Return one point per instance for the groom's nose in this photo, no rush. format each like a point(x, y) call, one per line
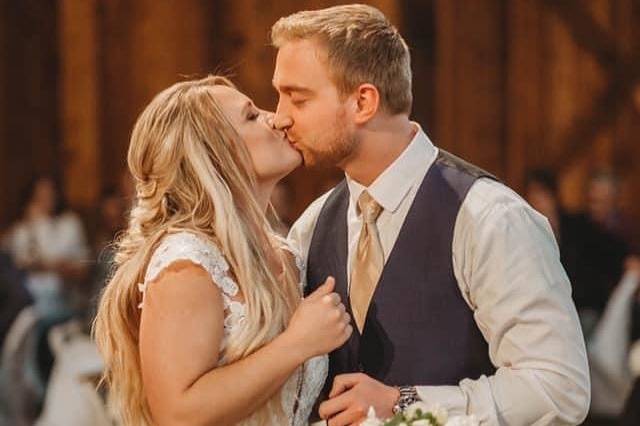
point(281, 120)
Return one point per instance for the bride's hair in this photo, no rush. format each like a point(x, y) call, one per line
point(192, 173)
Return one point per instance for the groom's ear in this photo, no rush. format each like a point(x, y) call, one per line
point(367, 103)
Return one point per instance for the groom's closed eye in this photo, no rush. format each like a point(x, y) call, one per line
point(298, 101)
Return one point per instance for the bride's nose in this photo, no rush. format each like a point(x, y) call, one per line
point(269, 118)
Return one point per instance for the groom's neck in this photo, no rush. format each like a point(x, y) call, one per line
point(380, 143)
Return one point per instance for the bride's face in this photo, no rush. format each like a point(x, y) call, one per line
point(272, 155)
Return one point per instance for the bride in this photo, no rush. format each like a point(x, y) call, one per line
point(203, 322)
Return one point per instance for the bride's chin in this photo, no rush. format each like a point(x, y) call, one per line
point(287, 168)
point(296, 158)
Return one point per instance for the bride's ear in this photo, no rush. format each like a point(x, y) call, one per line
point(367, 103)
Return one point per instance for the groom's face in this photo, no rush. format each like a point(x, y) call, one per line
point(317, 120)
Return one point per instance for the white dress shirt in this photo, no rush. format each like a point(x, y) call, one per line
point(507, 266)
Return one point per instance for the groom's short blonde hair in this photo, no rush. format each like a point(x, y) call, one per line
point(362, 46)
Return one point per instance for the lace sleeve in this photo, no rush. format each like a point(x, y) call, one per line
point(188, 246)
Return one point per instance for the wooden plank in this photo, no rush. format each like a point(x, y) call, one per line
point(525, 99)
point(627, 128)
point(585, 30)
point(145, 47)
point(31, 139)
point(5, 177)
point(418, 28)
point(114, 53)
point(446, 89)
point(79, 101)
point(470, 80)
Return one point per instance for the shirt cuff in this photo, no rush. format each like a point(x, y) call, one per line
point(451, 398)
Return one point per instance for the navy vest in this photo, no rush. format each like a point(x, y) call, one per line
point(418, 330)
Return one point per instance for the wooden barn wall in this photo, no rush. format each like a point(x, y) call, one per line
point(507, 84)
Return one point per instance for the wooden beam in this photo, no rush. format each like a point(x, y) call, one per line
point(586, 32)
point(622, 71)
point(605, 109)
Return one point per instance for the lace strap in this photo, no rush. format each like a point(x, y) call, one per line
point(287, 245)
point(190, 247)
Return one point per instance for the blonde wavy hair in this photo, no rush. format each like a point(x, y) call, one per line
point(193, 173)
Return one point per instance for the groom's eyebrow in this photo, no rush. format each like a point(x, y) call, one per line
point(288, 88)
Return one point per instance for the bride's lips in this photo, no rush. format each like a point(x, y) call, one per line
point(291, 142)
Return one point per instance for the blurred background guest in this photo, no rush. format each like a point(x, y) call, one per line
point(49, 243)
point(13, 294)
point(603, 207)
point(610, 345)
point(591, 254)
point(631, 413)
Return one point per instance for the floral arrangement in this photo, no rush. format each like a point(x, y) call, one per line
point(420, 414)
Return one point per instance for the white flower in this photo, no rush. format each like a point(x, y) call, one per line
point(371, 419)
point(436, 411)
point(422, 423)
point(440, 414)
point(411, 411)
point(463, 421)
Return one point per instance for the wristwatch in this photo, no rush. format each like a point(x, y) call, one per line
point(408, 396)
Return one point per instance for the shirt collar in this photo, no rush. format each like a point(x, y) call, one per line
point(394, 183)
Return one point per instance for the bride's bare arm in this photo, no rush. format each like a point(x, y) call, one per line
point(180, 336)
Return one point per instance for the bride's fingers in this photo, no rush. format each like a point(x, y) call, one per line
point(326, 288)
point(348, 331)
point(331, 299)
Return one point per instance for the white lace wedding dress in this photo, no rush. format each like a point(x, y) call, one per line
point(303, 387)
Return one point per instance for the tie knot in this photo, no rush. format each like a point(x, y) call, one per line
point(369, 207)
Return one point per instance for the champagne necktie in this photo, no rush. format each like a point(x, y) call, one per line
point(368, 262)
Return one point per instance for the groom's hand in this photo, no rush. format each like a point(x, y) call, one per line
point(352, 395)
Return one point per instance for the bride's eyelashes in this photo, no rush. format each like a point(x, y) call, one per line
point(253, 115)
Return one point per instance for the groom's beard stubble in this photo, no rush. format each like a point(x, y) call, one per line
point(340, 145)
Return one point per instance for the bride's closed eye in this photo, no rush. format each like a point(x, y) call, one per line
point(253, 115)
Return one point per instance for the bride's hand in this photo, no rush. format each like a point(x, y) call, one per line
point(320, 324)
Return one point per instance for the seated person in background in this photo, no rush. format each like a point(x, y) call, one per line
point(48, 241)
point(608, 348)
point(631, 415)
point(13, 294)
point(603, 207)
point(592, 255)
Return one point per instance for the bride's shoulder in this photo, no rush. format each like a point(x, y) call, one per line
point(187, 246)
point(202, 252)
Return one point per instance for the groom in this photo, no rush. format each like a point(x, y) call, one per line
point(453, 282)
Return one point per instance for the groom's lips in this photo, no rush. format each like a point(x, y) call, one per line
point(292, 143)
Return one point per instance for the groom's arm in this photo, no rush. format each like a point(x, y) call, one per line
point(507, 264)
